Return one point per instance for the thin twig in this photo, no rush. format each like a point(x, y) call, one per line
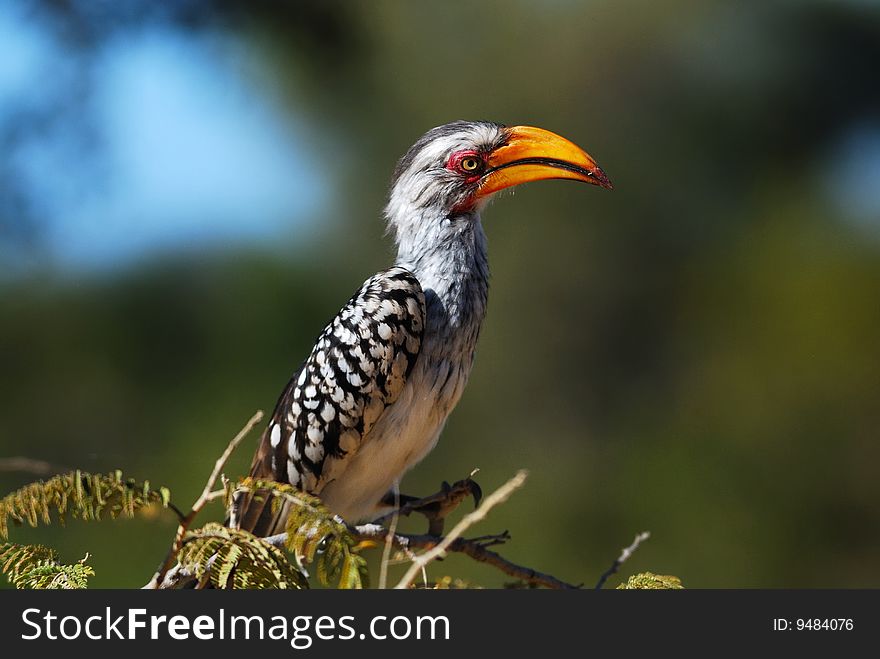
point(389, 539)
point(207, 495)
point(624, 556)
point(221, 461)
point(216, 494)
point(498, 496)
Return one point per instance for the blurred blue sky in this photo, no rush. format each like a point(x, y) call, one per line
point(162, 140)
point(174, 145)
point(855, 173)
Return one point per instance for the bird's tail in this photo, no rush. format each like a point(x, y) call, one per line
point(253, 511)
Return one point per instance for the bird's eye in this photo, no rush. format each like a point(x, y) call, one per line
point(467, 162)
point(470, 164)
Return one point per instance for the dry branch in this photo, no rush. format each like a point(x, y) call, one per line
point(624, 556)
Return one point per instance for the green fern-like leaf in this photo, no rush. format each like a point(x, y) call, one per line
point(79, 495)
point(315, 535)
point(651, 581)
point(37, 567)
point(231, 558)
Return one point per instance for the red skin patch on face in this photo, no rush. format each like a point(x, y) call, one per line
point(454, 164)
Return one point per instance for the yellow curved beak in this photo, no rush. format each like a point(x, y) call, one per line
point(534, 154)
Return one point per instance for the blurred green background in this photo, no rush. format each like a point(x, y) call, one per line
point(189, 192)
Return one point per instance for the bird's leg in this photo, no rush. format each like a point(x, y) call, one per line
point(436, 507)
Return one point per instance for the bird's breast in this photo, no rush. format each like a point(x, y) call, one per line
point(404, 434)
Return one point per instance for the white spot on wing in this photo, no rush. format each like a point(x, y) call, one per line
point(292, 474)
point(314, 452)
point(315, 436)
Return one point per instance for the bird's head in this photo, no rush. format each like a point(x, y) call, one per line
point(454, 169)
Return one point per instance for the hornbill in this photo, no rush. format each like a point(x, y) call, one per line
point(373, 395)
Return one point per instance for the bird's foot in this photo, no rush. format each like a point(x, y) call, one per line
point(491, 540)
point(436, 507)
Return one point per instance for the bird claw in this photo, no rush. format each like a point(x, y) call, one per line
point(437, 507)
point(491, 540)
point(476, 493)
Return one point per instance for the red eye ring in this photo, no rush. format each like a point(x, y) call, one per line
point(470, 163)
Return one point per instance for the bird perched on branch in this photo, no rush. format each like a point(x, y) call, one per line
point(371, 399)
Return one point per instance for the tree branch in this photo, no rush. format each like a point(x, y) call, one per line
point(624, 556)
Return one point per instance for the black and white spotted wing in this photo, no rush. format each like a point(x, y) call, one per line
point(358, 367)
